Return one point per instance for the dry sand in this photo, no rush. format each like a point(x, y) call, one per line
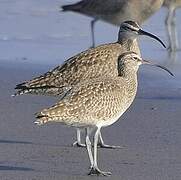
point(149, 131)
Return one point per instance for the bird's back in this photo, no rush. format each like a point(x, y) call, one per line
point(117, 11)
point(172, 3)
point(96, 7)
point(93, 63)
point(100, 101)
point(135, 10)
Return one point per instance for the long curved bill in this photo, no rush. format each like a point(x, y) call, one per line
point(141, 32)
point(157, 65)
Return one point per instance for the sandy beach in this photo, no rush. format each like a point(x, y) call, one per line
point(35, 37)
point(149, 133)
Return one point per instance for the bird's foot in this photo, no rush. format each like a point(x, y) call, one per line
point(102, 145)
point(78, 144)
point(97, 171)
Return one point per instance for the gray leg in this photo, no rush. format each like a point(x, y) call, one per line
point(171, 29)
point(88, 146)
point(101, 143)
point(78, 142)
point(92, 32)
point(172, 56)
point(95, 170)
point(174, 31)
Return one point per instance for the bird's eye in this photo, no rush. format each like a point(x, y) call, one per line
point(129, 29)
point(136, 59)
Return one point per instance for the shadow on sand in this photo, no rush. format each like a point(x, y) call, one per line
point(14, 142)
point(14, 168)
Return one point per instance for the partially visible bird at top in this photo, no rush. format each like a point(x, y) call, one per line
point(170, 22)
point(88, 65)
point(115, 11)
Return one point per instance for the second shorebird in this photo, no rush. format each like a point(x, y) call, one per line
point(115, 11)
point(86, 66)
point(98, 103)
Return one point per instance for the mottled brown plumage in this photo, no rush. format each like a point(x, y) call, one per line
point(93, 63)
point(90, 64)
point(98, 102)
point(92, 101)
point(98, 99)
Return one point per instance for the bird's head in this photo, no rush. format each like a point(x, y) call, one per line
point(131, 30)
point(130, 61)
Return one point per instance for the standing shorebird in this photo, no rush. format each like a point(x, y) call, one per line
point(90, 64)
point(170, 22)
point(115, 11)
point(98, 103)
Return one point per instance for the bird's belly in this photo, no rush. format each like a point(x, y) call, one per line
point(113, 119)
point(110, 121)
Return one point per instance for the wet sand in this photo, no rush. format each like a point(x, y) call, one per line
point(149, 132)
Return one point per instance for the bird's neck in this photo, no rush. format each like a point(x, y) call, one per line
point(127, 43)
point(128, 73)
point(131, 82)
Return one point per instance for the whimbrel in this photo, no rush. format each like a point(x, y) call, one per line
point(92, 63)
point(97, 103)
point(170, 22)
point(115, 11)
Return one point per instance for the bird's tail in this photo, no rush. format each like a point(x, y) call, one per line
point(37, 90)
point(41, 118)
point(47, 115)
point(22, 89)
point(72, 7)
point(20, 92)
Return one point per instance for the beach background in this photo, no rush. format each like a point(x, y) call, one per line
point(35, 37)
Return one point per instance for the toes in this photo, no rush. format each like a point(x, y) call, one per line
point(96, 171)
point(78, 144)
point(110, 146)
point(107, 173)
